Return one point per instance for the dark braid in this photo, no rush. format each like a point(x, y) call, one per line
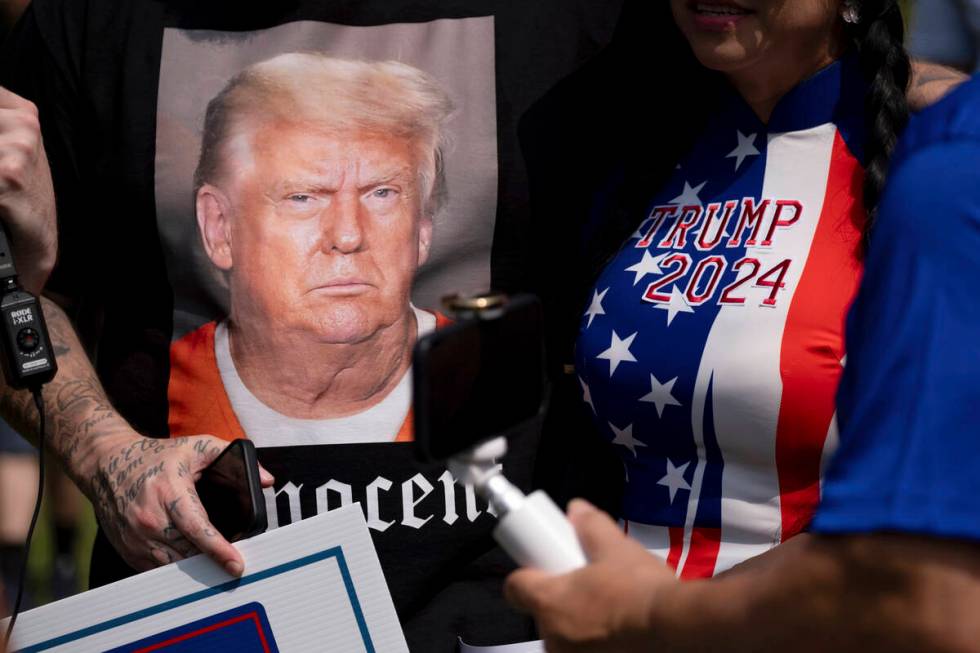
point(879, 37)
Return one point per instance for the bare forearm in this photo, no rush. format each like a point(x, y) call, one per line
point(766, 603)
point(866, 594)
point(79, 414)
point(761, 563)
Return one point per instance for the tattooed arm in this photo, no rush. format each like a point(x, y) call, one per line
point(930, 82)
point(142, 488)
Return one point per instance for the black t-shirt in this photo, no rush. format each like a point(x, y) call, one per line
point(93, 69)
point(104, 77)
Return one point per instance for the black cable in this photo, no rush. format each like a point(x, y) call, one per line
point(39, 403)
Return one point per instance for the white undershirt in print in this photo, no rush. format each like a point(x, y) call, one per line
point(269, 428)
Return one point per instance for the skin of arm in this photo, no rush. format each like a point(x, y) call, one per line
point(877, 592)
point(931, 82)
point(142, 488)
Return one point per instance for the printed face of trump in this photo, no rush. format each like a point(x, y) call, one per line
point(321, 231)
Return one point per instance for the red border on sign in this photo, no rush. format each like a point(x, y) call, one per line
point(254, 616)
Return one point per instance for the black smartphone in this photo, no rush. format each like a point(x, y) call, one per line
point(231, 492)
point(478, 378)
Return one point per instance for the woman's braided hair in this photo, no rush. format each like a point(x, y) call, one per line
point(878, 37)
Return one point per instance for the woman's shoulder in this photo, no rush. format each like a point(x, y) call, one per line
point(955, 117)
point(931, 82)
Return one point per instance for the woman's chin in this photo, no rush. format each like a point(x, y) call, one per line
point(725, 57)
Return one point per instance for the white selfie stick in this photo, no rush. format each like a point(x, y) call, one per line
point(532, 529)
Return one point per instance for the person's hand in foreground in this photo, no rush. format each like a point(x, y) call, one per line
point(142, 488)
point(605, 606)
point(27, 205)
point(144, 496)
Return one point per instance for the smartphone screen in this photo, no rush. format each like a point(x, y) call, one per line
point(477, 379)
point(230, 492)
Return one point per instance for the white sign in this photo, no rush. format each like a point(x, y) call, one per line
point(311, 586)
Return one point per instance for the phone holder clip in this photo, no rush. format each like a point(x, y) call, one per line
point(532, 529)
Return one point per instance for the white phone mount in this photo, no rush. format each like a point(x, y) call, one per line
point(532, 529)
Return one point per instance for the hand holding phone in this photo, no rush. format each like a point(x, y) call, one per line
point(231, 492)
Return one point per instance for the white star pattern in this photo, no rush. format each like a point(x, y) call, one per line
point(625, 438)
point(596, 307)
point(587, 395)
point(660, 394)
point(674, 479)
point(618, 352)
point(689, 197)
point(647, 265)
point(677, 304)
point(746, 148)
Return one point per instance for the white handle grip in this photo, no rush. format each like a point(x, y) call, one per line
point(537, 534)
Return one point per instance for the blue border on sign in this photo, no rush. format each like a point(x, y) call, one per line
point(334, 552)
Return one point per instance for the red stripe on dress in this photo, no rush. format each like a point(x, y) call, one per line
point(703, 553)
point(676, 534)
point(813, 341)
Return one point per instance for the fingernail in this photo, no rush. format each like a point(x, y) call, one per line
point(234, 568)
point(579, 507)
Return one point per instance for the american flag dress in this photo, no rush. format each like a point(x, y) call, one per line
point(713, 344)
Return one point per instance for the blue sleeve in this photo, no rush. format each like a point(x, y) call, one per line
point(909, 401)
point(939, 33)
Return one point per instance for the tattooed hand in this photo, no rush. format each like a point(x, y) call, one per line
point(143, 493)
point(142, 488)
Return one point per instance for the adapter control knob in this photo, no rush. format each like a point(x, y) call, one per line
point(28, 340)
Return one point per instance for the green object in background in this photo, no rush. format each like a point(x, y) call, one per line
point(39, 564)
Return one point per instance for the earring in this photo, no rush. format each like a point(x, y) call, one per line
point(850, 13)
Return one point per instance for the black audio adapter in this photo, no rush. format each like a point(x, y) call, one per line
point(28, 362)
